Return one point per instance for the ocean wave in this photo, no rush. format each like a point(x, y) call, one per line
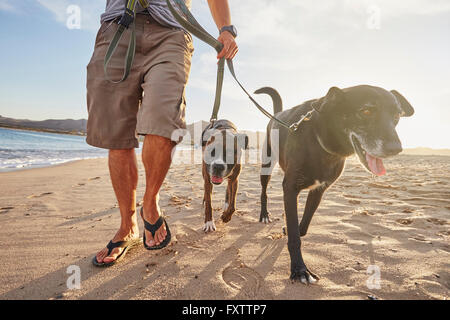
point(21, 149)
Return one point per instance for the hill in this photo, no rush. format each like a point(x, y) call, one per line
point(50, 125)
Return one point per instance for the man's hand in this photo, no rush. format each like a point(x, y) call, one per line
point(230, 48)
point(221, 14)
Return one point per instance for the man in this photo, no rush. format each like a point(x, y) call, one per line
point(149, 102)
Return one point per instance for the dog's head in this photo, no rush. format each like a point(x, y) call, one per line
point(222, 149)
point(362, 120)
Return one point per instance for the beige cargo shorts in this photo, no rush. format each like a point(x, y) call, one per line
point(152, 99)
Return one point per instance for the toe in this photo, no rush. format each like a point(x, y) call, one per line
point(311, 279)
point(149, 238)
point(162, 236)
point(113, 256)
point(101, 255)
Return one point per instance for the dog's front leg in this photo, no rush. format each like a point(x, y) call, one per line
point(312, 203)
point(231, 208)
point(299, 271)
point(209, 223)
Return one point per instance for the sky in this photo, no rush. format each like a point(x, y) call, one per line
point(300, 47)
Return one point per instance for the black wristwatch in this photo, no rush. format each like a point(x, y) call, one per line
point(231, 29)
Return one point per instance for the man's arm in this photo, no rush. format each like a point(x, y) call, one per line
point(220, 12)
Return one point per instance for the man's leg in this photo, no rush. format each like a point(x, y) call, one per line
point(124, 177)
point(157, 157)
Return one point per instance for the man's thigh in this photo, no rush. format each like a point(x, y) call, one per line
point(164, 104)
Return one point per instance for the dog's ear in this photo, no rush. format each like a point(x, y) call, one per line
point(407, 109)
point(206, 135)
point(334, 96)
point(242, 141)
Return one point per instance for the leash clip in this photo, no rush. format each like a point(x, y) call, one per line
point(294, 127)
point(127, 18)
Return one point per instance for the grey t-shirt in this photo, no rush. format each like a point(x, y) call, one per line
point(157, 9)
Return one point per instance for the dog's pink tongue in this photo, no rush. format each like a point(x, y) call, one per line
point(375, 165)
point(215, 179)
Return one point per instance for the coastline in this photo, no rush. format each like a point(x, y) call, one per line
point(42, 130)
point(12, 170)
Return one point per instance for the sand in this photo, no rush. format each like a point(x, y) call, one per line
point(53, 218)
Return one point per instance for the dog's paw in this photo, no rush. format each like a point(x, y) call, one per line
point(226, 216)
point(302, 230)
point(304, 276)
point(209, 226)
point(265, 218)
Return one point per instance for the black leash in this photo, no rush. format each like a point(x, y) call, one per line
point(190, 24)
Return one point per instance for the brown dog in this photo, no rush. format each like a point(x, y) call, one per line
point(222, 148)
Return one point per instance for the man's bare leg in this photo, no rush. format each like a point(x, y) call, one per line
point(124, 177)
point(157, 157)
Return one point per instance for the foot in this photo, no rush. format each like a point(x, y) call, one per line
point(209, 226)
point(124, 234)
point(264, 217)
point(303, 275)
point(151, 216)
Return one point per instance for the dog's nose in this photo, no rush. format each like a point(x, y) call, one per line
point(393, 148)
point(218, 167)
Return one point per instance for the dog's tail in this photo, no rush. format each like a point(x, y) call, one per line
point(276, 98)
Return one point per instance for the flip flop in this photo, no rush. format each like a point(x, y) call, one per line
point(152, 228)
point(126, 245)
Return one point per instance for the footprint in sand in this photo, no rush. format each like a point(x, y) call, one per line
point(276, 235)
point(404, 222)
point(95, 178)
point(444, 233)
point(437, 221)
point(5, 209)
point(41, 195)
point(244, 280)
point(177, 201)
point(420, 238)
point(186, 235)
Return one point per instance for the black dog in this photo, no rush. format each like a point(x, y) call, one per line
point(222, 149)
point(359, 120)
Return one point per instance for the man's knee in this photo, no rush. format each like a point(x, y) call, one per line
point(121, 155)
point(120, 151)
point(159, 139)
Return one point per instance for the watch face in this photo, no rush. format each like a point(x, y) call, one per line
point(234, 30)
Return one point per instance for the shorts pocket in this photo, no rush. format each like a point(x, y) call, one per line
point(106, 32)
point(187, 41)
point(181, 111)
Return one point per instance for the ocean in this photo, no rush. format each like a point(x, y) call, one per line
point(21, 149)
